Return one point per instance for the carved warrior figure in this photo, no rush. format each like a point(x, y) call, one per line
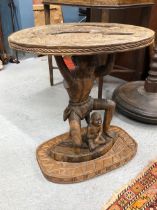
point(78, 84)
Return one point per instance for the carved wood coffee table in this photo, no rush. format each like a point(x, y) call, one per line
point(83, 153)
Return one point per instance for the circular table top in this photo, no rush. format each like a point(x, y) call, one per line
point(81, 38)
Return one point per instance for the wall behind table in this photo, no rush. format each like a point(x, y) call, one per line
point(24, 11)
point(70, 14)
point(25, 17)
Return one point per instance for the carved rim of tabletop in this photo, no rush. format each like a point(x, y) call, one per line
point(81, 39)
point(123, 150)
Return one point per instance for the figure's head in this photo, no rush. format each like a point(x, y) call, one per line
point(96, 119)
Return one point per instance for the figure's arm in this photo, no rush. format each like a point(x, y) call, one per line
point(98, 136)
point(64, 70)
point(90, 134)
point(105, 69)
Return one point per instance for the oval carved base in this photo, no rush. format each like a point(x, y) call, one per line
point(66, 152)
point(123, 150)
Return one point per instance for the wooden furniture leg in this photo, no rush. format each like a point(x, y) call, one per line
point(47, 22)
point(100, 87)
point(151, 82)
point(142, 63)
point(51, 69)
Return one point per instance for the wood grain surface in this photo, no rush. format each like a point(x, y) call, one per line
point(79, 39)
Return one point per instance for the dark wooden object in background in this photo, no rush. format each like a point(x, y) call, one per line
point(1, 37)
point(2, 48)
point(47, 22)
point(151, 81)
point(138, 100)
point(153, 19)
point(130, 65)
point(4, 58)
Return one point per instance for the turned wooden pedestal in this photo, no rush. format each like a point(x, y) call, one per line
point(83, 153)
point(138, 100)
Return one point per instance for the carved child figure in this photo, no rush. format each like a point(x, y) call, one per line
point(94, 131)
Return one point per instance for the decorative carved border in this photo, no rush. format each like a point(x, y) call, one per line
point(123, 150)
point(84, 50)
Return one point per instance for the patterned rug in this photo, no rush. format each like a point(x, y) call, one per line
point(141, 193)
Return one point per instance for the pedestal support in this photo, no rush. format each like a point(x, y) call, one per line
point(138, 100)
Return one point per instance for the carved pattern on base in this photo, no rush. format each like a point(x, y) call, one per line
point(123, 150)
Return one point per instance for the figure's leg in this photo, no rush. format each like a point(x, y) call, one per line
point(109, 107)
point(92, 145)
point(75, 130)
